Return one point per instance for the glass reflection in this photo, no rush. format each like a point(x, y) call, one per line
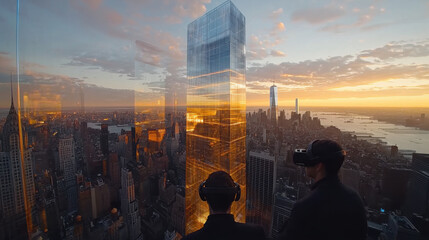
point(216, 105)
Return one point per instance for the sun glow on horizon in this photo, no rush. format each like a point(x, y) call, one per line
point(388, 101)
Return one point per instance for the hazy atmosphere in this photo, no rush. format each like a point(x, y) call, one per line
point(326, 53)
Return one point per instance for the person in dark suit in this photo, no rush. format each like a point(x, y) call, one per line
point(332, 210)
point(220, 190)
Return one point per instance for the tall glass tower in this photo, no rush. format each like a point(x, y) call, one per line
point(273, 104)
point(216, 107)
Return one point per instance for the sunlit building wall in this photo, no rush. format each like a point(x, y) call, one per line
point(216, 105)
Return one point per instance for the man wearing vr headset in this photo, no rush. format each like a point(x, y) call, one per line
point(220, 190)
point(332, 210)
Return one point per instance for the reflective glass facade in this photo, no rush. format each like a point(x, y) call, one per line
point(273, 104)
point(216, 105)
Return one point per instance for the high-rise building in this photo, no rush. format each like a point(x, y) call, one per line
point(82, 100)
point(100, 198)
point(216, 107)
point(68, 168)
point(283, 205)
point(399, 227)
point(104, 139)
point(16, 188)
point(273, 104)
point(129, 204)
point(261, 177)
point(417, 200)
point(296, 106)
point(394, 184)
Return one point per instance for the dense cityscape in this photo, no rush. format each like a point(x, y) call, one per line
point(135, 172)
point(82, 175)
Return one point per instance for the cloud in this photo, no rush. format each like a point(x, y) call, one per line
point(387, 85)
point(162, 49)
point(276, 13)
point(190, 8)
point(394, 50)
point(256, 49)
point(363, 75)
point(94, 4)
point(364, 18)
point(317, 15)
point(359, 23)
point(55, 92)
point(260, 47)
point(327, 17)
point(112, 64)
point(280, 27)
point(375, 26)
point(174, 11)
point(147, 53)
point(6, 63)
point(277, 53)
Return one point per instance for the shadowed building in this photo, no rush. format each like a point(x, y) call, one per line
point(216, 107)
point(417, 200)
point(129, 204)
point(283, 204)
point(16, 189)
point(261, 177)
point(66, 153)
point(104, 139)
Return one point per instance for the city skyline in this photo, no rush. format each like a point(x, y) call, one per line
point(123, 110)
point(326, 53)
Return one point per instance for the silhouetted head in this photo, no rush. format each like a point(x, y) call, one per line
point(321, 158)
point(219, 190)
point(331, 153)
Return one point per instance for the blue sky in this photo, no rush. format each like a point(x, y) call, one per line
point(324, 52)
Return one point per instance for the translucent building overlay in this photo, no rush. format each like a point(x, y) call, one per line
point(216, 105)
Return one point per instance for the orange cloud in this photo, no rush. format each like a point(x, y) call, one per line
point(280, 26)
point(277, 53)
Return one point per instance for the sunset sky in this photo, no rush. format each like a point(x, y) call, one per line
point(326, 53)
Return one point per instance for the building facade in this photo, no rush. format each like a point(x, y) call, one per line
point(17, 192)
point(216, 107)
point(261, 177)
point(283, 205)
point(66, 154)
point(129, 205)
point(104, 139)
point(417, 200)
point(273, 104)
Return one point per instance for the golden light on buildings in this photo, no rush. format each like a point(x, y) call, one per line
point(216, 110)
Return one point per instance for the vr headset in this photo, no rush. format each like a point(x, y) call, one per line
point(203, 190)
point(306, 158)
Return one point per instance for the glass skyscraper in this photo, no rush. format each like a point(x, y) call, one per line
point(273, 104)
point(216, 107)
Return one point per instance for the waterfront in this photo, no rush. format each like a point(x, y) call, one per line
point(365, 127)
point(406, 138)
point(112, 128)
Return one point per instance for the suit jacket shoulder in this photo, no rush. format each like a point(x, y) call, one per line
point(250, 231)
